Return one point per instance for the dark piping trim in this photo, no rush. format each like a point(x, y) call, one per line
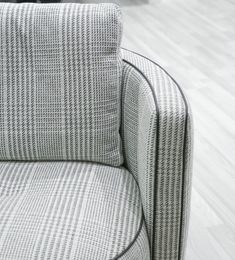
point(132, 242)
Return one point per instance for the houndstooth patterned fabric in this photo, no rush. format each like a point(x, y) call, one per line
point(60, 77)
point(70, 210)
point(157, 139)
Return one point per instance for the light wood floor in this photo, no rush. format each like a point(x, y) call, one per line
point(195, 41)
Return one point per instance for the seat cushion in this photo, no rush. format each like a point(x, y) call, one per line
point(60, 78)
point(70, 210)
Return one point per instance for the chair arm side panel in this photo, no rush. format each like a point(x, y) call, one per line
point(157, 140)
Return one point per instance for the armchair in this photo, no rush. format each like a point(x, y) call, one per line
point(95, 141)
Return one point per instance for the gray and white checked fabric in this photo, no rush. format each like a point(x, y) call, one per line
point(70, 210)
point(60, 78)
point(157, 140)
point(140, 249)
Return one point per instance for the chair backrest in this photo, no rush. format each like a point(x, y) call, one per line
point(60, 77)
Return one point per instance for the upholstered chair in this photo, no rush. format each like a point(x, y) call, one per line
point(95, 140)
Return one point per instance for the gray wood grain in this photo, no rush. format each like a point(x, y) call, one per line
point(195, 41)
point(119, 2)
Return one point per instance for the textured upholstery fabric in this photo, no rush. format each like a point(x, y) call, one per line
point(157, 138)
point(60, 77)
point(139, 250)
point(70, 210)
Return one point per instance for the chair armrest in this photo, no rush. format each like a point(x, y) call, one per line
point(157, 142)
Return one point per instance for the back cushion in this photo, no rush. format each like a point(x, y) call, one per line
point(60, 73)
